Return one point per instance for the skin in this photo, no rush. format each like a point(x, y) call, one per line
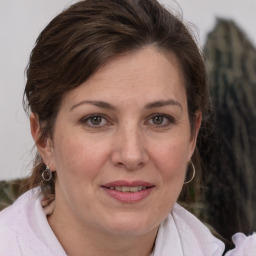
point(138, 138)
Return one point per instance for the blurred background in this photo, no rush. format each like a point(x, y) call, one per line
point(225, 31)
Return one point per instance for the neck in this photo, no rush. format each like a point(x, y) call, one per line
point(76, 239)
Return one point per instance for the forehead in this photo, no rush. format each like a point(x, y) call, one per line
point(143, 75)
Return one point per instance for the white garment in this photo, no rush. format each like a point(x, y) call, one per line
point(24, 231)
point(182, 234)
point(244, 245)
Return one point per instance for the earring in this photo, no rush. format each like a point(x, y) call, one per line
point(194, 173)
point(47, 174)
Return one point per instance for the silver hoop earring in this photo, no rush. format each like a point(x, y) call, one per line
point(47, 174)
point(194, 173)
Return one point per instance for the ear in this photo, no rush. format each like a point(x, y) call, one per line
point(197, 125)
point(44, 144)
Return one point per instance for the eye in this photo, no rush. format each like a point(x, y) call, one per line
point(161, 120)
point(96, 121)
point(158, 120)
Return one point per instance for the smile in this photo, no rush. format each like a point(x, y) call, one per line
point(128, 189)
point(128, 192)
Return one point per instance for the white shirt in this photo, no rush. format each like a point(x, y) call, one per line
point(24, 231)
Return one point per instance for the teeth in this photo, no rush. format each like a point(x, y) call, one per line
point(134, 189)
point(125, 189)
point(128, 189)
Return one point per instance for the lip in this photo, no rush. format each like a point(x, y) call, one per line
point(128, 197)
point(121, 183)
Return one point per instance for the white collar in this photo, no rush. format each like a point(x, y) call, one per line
point(182, 234)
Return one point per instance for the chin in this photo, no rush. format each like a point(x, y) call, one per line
point(130, 224)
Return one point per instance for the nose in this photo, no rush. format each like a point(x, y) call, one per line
point(129, 150)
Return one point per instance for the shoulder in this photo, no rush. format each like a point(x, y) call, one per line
point(9, 244)
point(196, 235)
point(13, 219)
point(24, 229)
point(16, 213)
point(245, 245)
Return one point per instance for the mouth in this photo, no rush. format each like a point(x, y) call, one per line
point(128, 192)
point(128, 189)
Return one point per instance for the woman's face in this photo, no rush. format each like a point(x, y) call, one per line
point(121, 145)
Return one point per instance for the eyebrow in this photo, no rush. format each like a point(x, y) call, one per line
point(100, 104)
point(105, 105)
point(163, 103)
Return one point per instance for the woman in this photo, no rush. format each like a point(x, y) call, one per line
point(116, 94)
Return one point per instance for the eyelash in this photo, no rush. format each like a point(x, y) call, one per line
point(87, 119)
point(167, 118)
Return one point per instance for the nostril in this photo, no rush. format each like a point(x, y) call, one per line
point(131, 166)
point(120, 164)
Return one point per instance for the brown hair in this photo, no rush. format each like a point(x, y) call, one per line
point(85, 37)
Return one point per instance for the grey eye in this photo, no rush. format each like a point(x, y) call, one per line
point(158, 120)
point(95, 120)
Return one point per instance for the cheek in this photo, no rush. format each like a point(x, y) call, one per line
point(171, 158)
point(170, 162)
point(78, 158)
